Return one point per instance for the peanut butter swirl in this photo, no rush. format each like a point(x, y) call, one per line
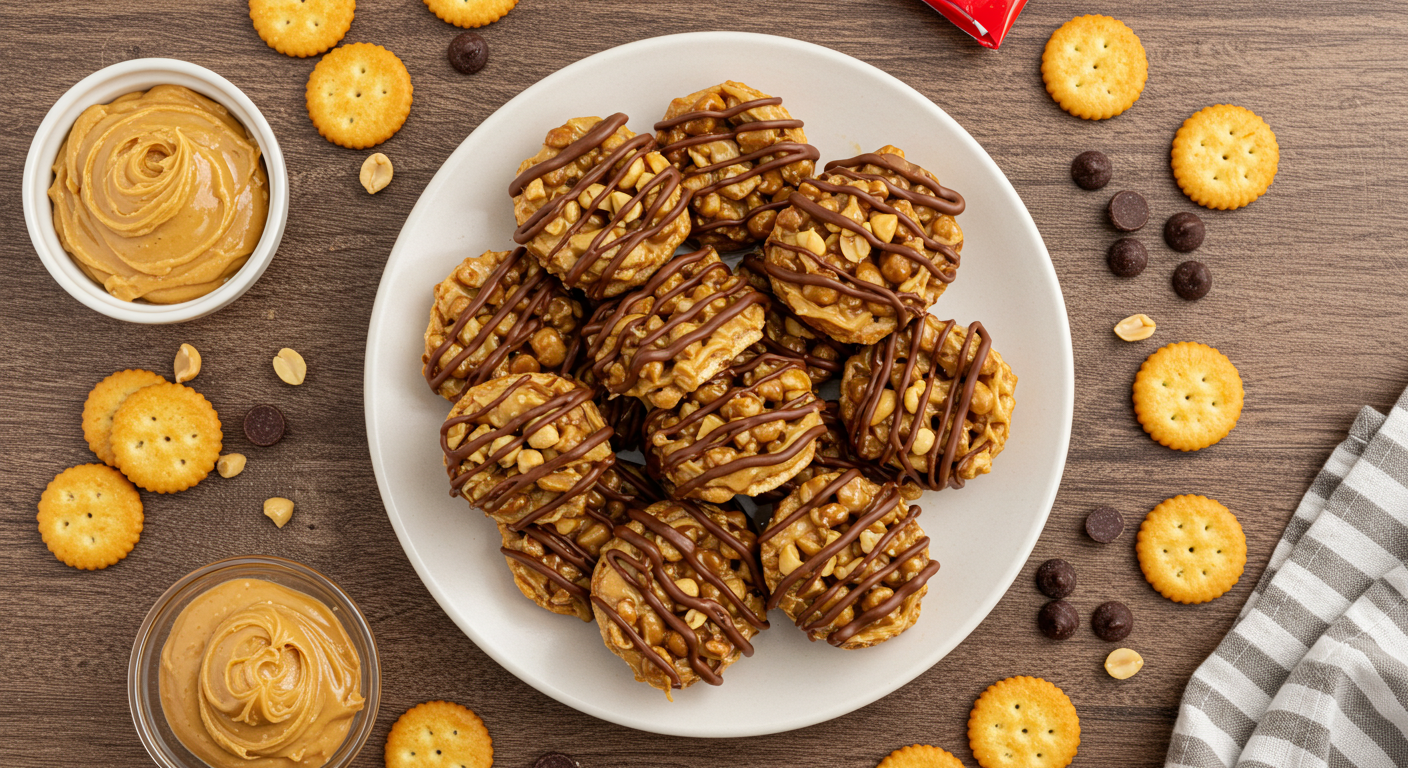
point(647, 573)
point(779, 155)
point(610, 172)
point(845, 592)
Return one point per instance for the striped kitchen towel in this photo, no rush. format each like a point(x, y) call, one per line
point(1315, 671)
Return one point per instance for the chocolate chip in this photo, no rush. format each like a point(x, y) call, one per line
point(1091, 170)
point(264, 425)
point(556, 760)
point(468, 53)
point(1127, 257)
point(1112, 621)
point(1192, 280)
point(1058, 620)
point(1104, 525)
point(1128, 211)
point(1056, 578)
point(1184, 232)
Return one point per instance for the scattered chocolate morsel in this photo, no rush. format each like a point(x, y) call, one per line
point(264, 425)
point(1056, 578)
point(1127, 257)
point(1184, 232)
point(1112, 621)
point(1128, 211)
point(468, 52)
point(1091, 170)
point(556, 760)
point(1104, 525)
point(1192, 280)
point(1058, 620)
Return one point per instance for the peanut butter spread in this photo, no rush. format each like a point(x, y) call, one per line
point(257, 675)
point(160, 195)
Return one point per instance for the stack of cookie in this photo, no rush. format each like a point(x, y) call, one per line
point(600, 333)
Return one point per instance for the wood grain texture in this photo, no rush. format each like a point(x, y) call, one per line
point(1308, 301)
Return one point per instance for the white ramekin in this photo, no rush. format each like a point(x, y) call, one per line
point(102, 87)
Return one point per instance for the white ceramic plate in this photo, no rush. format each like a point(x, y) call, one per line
point(981, 534)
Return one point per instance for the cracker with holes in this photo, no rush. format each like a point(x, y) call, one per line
point(1023, 722)
point(1191, 549)
point(1188, 396)
point(359, 95)
point(103, 402)
point(920, 756)
point(439, 734)
point(1094, 67)
point(90, 516)
point(301, 27)
point(1225, 156)
point(470, 13)
point(166, 437)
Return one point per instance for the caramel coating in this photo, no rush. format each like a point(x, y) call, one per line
point(678, 593)
point(663, 341)
point(745, 431)
point(552, 563)
point(598, 207)
point(742, 155)
point(525, 448)
point(866, 248)
point(934, 402)
point(497, 314)
point(785, 334)
point(846, 560)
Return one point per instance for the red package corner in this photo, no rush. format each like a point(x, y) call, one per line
point(986, 20)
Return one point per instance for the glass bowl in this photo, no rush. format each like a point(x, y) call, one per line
point(144, 669)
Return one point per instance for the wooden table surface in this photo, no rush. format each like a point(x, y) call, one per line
point(1308, 301)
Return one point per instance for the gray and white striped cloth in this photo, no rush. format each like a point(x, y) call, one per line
point(1315, 672)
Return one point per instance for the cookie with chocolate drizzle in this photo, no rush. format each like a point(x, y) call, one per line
point(665, 339)
point(552, 563)
point(933, 401)
point(846, 560)
point(866, 248)
point(678, 593)
point(742, 155)
point(526, 448)
point(785, 334)
point(498, 313)
point(599, 207)
point(745, 431)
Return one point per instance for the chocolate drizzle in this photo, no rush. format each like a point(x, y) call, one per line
point(943, 464)
point(647, 574)
point(791, 411)
point(785, 152)
point(544, 415)
point(906, 305)
point(611, 319)
point(833, 453)
point(817, 615)
point(533, 294)
point(618, 163)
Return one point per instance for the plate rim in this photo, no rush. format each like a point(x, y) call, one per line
point(381, 306)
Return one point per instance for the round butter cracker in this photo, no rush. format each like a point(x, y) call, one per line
point(90, 516)
point(301, 28)
point(359, 95)
point(439, 734)
point(103, 402)
point(470, 13)
point(1191, 549)
point(166, 437)
point(920, 756)
point(1094, 67)
point(1225, 157)
point(1188, 396)
point(1023, 722)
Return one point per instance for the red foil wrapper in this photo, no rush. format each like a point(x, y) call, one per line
point(986, 20)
